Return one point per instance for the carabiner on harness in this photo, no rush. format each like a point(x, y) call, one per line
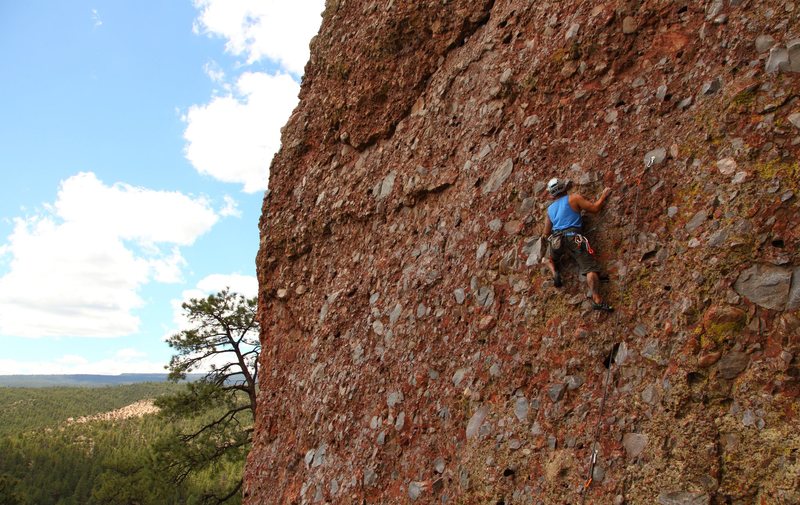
point(581, 240)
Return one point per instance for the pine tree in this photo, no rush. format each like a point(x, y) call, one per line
point(223, 337)
point(10, 493)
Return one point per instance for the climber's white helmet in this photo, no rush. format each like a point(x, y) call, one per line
point(557, 186)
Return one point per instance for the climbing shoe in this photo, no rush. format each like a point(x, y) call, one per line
point(602, 306)
point(557, 280)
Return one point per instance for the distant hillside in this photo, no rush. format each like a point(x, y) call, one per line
point(83, 380)
point(77, 445)
point(23, 409)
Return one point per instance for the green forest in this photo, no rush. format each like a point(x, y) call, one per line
point(46, 459)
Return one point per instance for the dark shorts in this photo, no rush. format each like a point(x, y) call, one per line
point(586, 262)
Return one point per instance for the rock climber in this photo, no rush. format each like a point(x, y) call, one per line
point(563, 230)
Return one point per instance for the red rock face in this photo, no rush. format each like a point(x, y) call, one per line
point(414, 347)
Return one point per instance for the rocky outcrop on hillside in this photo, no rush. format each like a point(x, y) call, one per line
point(415, 349)
point(136, 409)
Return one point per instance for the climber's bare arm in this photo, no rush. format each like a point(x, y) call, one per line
point(578, 202)
point(548, 226)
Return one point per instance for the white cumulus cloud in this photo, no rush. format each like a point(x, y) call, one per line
point(245, 285)
point(134, 213)
point(76, 267)
point(231, 208)
point(279, 30)
point(215, 73)
point(234, 137)
point(96, 18)
point(129, 354)
point(123, 361)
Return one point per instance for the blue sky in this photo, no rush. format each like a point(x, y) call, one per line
point(135, 142)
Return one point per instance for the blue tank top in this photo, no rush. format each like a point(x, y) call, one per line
point(562, 216)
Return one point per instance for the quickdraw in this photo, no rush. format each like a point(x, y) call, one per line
point(581, 240)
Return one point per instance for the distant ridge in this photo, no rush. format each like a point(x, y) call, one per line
point(83, 380)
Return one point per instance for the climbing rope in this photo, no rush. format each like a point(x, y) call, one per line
point(638, 186)
point(593, 461)
point(612, 356)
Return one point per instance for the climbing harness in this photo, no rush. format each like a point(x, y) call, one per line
point(556, 238)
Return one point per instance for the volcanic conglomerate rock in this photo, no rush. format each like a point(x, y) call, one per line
point(414, 347)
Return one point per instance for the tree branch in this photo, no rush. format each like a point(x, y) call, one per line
point(223, 499)
point(230, 414)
